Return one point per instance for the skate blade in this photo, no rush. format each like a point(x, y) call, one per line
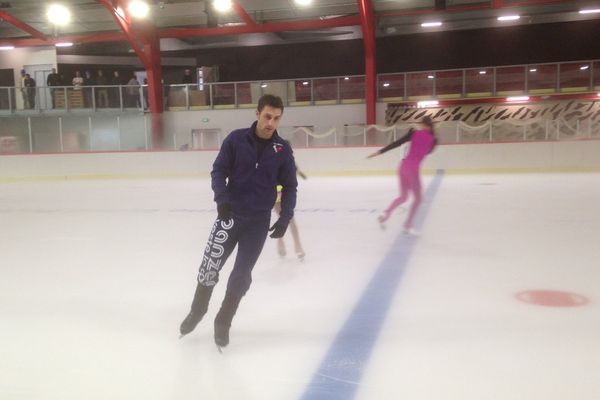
point(300, 256)
point(220, 349)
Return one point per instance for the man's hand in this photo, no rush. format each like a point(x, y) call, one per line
point(278, 229)
point(224, 211)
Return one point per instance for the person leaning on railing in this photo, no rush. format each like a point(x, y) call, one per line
point(77, 81)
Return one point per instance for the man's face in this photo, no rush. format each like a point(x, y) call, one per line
point(268, 121)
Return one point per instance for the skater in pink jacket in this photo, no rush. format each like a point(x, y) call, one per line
point(422, 141)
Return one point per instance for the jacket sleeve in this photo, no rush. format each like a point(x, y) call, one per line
point(287, 178)
point(397, 143)
point(221, 171)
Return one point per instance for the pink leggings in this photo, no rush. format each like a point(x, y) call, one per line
point(410, 181)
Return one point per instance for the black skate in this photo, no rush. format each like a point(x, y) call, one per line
point(189, 323)
point(199, 308)
point(221, 336)
point(224, 318)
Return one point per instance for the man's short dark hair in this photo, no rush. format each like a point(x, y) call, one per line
point(270, 100)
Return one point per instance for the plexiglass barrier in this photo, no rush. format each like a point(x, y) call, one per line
point(131, 132)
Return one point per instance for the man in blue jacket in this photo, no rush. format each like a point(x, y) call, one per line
point(249, 166)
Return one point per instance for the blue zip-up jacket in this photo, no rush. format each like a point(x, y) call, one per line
point(249, 183)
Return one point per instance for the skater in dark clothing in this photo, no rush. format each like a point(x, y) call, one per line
point(250, 164)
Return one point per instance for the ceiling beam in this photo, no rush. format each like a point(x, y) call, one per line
point(495, 4)
point(261, 28)
point(124, 22)
point(99, 37)
point(22, 25)
point(243, 14)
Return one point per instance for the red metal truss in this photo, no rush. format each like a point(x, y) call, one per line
point(124, 23)
point(22, 25)
point(367, 22)
point(243, 14)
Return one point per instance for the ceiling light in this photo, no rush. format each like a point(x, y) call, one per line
point(264, 85)
point(386, 84)
point(533, 70)
point(138, 9)
point(303, 2)
point(584, 67)
point(517, 98)
point(430, 76)
point(222, 5)
point(427, 103)
point(58, 14)
point(7, 47)
point(482, 72)
point(305, 83)
point(509, 18)
point(63, 44)
point(590, 11)
point(431, 24)
point(231, 24)
point(346, 78)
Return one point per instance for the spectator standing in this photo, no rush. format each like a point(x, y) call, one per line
point(116, 91)
point(102, 91)
point(187, 77)
point(30, 91)
point(88, 82)
point(133, 92)
point(145, 90)
point(52, 80)
point(24, 90)
point(77, 81)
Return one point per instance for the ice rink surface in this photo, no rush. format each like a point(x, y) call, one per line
point(96, 277)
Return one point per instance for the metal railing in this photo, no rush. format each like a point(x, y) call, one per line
point(514, 80)
point(72, 98)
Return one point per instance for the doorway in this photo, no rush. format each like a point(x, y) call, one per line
point(40, 73)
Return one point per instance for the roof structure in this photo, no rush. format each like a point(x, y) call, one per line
point(194, 24)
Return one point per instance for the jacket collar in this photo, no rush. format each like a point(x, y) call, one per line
point(251, 133)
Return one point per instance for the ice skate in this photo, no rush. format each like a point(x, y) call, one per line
point(408, 231)
point(221, 336)
point(224, 318)
point(281, 248)
point(197, 311)
point(299, 251)
point(189, 323)
point(382, 219)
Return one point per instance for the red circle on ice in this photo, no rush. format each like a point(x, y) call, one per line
point(552, 298)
